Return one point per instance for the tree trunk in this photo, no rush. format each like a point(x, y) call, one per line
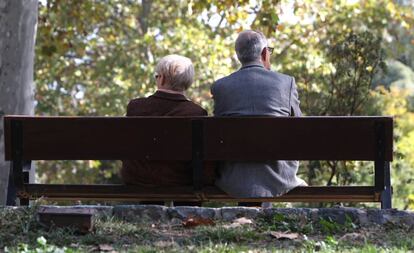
point(18, 20)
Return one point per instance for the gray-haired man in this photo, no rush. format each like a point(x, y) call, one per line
point(255, 90)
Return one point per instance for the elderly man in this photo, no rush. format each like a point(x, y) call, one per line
point(256, 90)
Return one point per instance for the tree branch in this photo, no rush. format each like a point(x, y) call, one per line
point(143, 17)
point(333, 167)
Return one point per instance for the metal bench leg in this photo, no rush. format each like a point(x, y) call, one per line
point(382, 168)
point(386, 195)
point(383, 183)
point(11, 189)
point(18, 164)
point(24, 201)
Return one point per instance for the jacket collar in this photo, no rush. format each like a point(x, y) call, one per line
point(250, 65)
point(170, 96)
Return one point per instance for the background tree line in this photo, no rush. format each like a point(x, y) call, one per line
point(348, 58)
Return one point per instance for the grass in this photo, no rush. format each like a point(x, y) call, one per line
point(20, 232)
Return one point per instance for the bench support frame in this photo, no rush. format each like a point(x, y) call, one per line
point(382, 168)
point(19, 168)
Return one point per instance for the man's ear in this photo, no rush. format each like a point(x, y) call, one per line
point(264, 54)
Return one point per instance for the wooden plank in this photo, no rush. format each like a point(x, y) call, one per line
point(122, 192)
point(78, 219)
point(243, 139)
point(66, 210)
point(287, 138)
point(106, 190)
point(310, 194)
point(109, 138)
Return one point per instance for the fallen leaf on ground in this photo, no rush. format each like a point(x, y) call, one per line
point(283, 235)
point(353, 237)
point(164, 244)
point(243, 221)
point(197, 221)
point(239, 222)
point(105, 247)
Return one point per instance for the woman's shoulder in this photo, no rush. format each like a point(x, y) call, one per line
point(193, 109)
point(137, 101)
point(136, 106)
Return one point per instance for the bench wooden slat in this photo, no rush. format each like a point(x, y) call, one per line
point(306, 138)
point(163, 138)
point(106, 138)
point(122, 192)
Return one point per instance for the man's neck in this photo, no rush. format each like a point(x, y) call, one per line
point(171, 91)
point(260, 63)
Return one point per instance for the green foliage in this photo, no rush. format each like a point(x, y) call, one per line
point(92, 57)
point(328, 226)
point(304, 225)
point(41, 247)
point(111, 234)
point(398, 75)
point(225, 235)
point(280, 222)
point(17, 221)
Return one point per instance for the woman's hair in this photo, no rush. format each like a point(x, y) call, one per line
point(177, 70)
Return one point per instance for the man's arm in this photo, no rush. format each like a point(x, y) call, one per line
point(213, 93)
point(294, 100)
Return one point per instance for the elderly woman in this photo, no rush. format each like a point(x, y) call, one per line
point(174, 74)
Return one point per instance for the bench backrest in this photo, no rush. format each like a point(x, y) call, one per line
point(175, 138)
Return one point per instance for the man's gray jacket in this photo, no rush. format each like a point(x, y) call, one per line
point(254, 90)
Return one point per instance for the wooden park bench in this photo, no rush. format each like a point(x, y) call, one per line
point(199, 139)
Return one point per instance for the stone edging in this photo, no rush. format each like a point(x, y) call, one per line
point(161, 214)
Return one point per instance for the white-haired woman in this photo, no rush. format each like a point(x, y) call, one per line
point(174, 74)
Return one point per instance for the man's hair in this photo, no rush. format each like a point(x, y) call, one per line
point(177, 70)
point(249, 46)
